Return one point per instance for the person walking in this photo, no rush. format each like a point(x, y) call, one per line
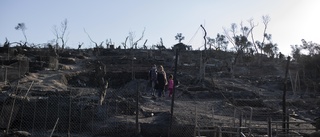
point(170, 85)
point(161, 81)
point(153, 78)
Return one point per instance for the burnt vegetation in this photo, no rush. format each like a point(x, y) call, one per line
point(100, 83)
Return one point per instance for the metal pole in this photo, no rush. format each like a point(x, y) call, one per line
point(284, 97)
point(6, 76)
point(19, 68)
point(287, 118)
point(269, 127)
point(240, 119)
point(137, 110)
point(69, 121)
point(196, 123)
point(251, 111)
point(54, 127)
point(12, 109)
point(213, 122)
point(234, 116)
point(174, 89)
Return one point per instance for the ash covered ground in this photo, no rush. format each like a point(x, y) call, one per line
point(225, 92)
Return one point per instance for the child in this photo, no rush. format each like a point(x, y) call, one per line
point(153, 78)
point(170, 85)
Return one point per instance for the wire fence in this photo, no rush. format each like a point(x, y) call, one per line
point(13, 69)
point(65, 115)
point(69, 114)
point(129, 110)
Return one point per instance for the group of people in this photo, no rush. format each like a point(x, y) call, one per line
point(159, 81)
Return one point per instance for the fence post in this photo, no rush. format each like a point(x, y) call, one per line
point(195, 122)
point(137, 109)
point(269, 127)
point(251, 111)
point(81, 111)
point(54, 127)
point(287, 117)
point(234, 116)
point(69, 120)
point(240, 122)
point(19, 68)
point(284, 108)
point(6, 75)
point(92, 120)
point(22, 111)
point(34, 115)
point(12, 109)
point(174, 90)
point(213, 122)
point(46, 118)
point(240, 119)
point(220, 131)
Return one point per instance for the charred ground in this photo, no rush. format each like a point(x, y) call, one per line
point(76, 78)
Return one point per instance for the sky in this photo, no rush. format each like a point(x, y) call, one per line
point(291, 20)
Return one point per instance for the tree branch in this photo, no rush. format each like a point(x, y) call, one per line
point(136, 43)
point(251, 32)
point(204, 37)
point(96, 44)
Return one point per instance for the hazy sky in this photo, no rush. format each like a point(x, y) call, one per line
point(291, 20)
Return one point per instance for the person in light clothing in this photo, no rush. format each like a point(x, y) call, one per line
point(161, 81)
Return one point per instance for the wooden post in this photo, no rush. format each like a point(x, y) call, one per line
point(240, 122)
point(6, 76)
point(137, 109)
point(195, 122)
point(19, 68)
point(174, 90)
point(213, 122)
point(251, 111)
point(11, 113)
point(234, 116)
point(284, 109)
point(132, 71)
point(92, 120)
point(21, 115)
point(287, 120)
point(69, 120)
point(34, 115)
point(46, 119)
point(81, 108)
point(269, 127)
point(240, 119)
point(54, 127)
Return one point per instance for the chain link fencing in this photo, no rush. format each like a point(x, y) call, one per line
point(197, 111)
point(65, 114)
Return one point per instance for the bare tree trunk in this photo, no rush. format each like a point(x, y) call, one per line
point(136, 42)
point(265, 20)
point(144, 44)
point(125, 43)
point(204, 37)
point(201, 67)
point(103, 93)
point(252, 37)
point(25, 36)
point(203, 59)
point(96, 44)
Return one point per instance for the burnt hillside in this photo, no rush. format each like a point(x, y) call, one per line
point(47, 85)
